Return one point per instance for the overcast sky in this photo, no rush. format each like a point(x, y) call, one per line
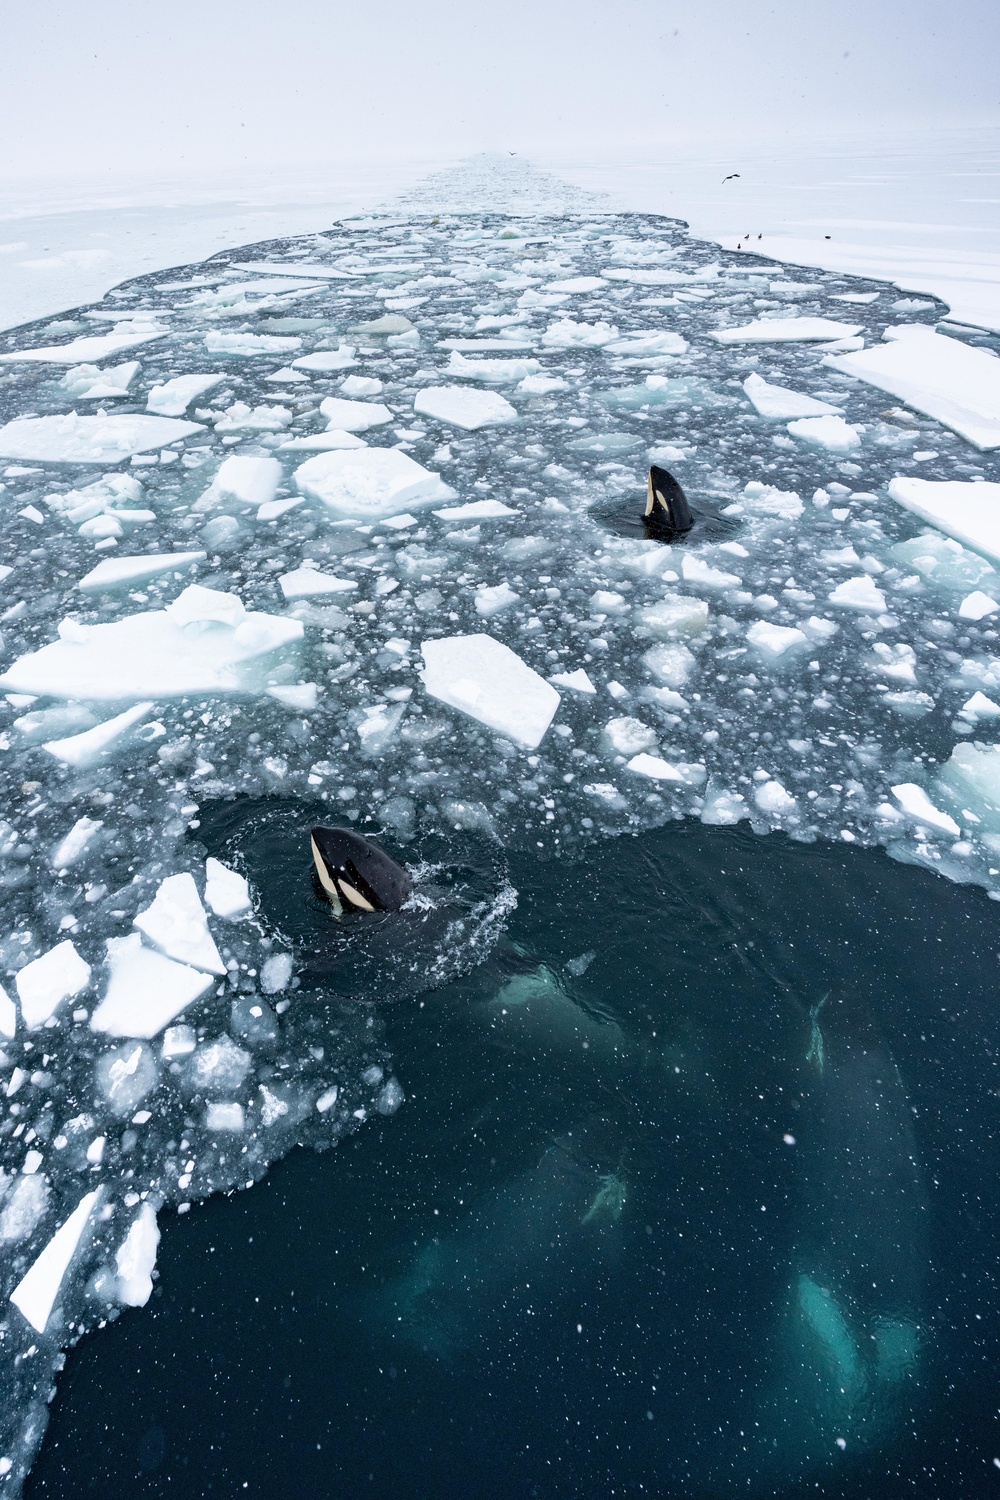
point(182, 84)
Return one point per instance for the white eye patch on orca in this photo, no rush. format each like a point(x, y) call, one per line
point(353, 872)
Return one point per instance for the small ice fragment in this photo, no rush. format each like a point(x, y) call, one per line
point(176, 923)
point(178, 1041)
point(773, 641)
point(275, 973)
point(627, 736)
point(786, 330)
point(226, 1116)
point(136, 1258)
point(980, 707)
point(976, 606)
point(36, 1292)
point(781, 404)
point(355, 386)
point(568, 334)
point(88, 350)
point(173, 397)
point(353, 416)
point(483, 678)
point(309, 583)
point(371, 483)
point(461, 407)
point(145, 990)
point(916, 804)
point(71, 847)
point(250, 344)
point(658, 769)
point(673, 615)
point(244, 479)
point(723, 808)
point(272, 509)
point(831, 433)
point(492, 601)
point(491, 371)
point(671, 662)
point(8, 1015)
point(115, 572)
point(86, 749)
point(696, 570)
point(576, 682)
point(226, 890)
point(771, 797)
point(390, 1097)
point(46, 982)
point(476, 510)
point(301, 696)
point(858, 593)
point(327, 1100)
point(326, 360)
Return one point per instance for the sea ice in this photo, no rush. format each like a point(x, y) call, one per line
point(369, 484)
point(916, 804)
point(858, 593)
point(969, 512)
point(977, 605)
point(461, 407)
point(493, 601)
point(953, 382)
point(45, 983)
point(353, 416)
point(176, 923)
point(173, 397)
point(658, 769)
point(135, 1258)
point(773, 641)
point(326, 360)
point(831, 433)
point(145, 990)
point(73, 439)
point(244, 479)
point(786, 330)
point(490, 371)
point(310, 583)
point(567, 334)
point(476, 510)
point(576, 682)
point(782, 405)
point(485, 679)
point(116, 572)
point(88, 350)
point(36, 1292)
point(250, 343)
point(88, 383)
point(72, 847)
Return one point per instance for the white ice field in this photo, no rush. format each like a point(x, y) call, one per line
point(350, 518)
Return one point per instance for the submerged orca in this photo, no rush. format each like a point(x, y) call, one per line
point(667, 511)
point(355, 873)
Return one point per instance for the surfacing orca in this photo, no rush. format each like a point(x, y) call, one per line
point(355, 874)
point(667, 511)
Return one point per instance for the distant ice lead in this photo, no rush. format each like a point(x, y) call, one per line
point(355, 874)
point(667, 511)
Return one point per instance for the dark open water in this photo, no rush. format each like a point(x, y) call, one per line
point(709, 1212)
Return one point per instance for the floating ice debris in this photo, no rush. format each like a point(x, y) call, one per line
point(575, 284)
point(462, 407)
point(88, 383)
point(353, 416)
point(45, 983)
point(8, 1020)
point(272, 509)
point(297, 268)
point(697, 571)
point(322, 442)
point(657, 769)
point(771, 797)
point(542, 385)
point(90, 746)
point(369, 484)
point(226, 890)
point(360, 387)
point(916, 804)
point(173, 397)
point(494, 600)
point(243, 418)
point(979, 707)
point(35, 1294)
point(773, 641)
point(308, 583)
point(89, 440)
point(159, 652)
point(969, 512)
point(977, 605)
point(786, 330)
point(476, 510)
point(72, 848)
point(723, 808)
point(89, 350)
point(953, 382)
point(576, 682)
point(674, 614)
point(326, 360)
point(491, 371)
point(115, 572)
point(858, 593)
point(176, 923)
point(647, 345)
point(145, 990)
point(250, 343)
point(781, 404)
point(485, 679)
point(302, 696)
point(831, 433)
point(243, 479)
point(135, 1258)
point(567, 334)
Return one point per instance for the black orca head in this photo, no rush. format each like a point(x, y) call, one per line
point(355, 874)
point(667, 511)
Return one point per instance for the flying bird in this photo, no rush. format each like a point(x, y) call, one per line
point(730, 177)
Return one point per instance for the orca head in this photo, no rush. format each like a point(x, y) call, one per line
point(354, 874)
point(667, 511)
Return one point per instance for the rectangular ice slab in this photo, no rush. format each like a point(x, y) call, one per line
point(46, 982)
point(369, 483)
point(88, 350)
point(146, 990)
point(309, 583)
point(961, 509)
point(353, 416)
point(461, 407)
point(483, 678)
point(786, 330)
point(115, 572)
point(72, 439)
point(157, 652)
point(952, 382)
point(36, 1292)
point(782, 405)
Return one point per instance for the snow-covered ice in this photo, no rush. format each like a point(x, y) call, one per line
point(366, 485)
point(458, 406)
point(967, 511)
point(73, 439)
point(481, 677)
point(784, 330)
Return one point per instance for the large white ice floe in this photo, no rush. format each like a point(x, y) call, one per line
point(88, 350)
point(145, 990)
point(966, 511)
point(35, 1294)
point(197, 645)
point(831, 433)
point(485, 679)
point(45, 983)
point(783, 405)
point(955, 383)
point(177, 924)
point(73, 439)
point(786, 330)
point(459, 406)
point(250, 343)
point(371, 483)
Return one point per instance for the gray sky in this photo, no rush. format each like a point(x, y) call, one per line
point(184, 84)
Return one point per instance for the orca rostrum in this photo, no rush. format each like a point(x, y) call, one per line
point(356, 875)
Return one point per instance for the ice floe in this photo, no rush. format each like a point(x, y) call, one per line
point(89, 440)
point(781, 404)
point(460, 407)
point(87, 350)
point(173, 397)
point(481, 677)
point(786, 330)
point(46, 982)
point(964, 510)
point(369, 484)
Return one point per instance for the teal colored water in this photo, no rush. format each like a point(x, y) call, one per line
point(693, 1193)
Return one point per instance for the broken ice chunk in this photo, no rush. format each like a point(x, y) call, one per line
point(276, 973)
point(173, 397)
point(36, 1292)
point(462, 407)
point(627, 736)
point(771, 797)
point(89, 440)
point(976, 606)
point(353, 416)
point(228, 1116)
point(355, 386)
point(250, 343)
point(577, 682)
point(177, 924)
point(568, 334)
point(88, 350)
point(369, 484)
point(476, 510)
point(90, 746)
point(786, 330)
point(697, 570)
point(243, 479)
point(830, 433)
point(71, 848)
point(88, 383)
point(858, 593)
point(967, 511)
point(658, 769)
point(491, 371)
point(46, 982)
point(492, 601)
point(917, 805)
point(979, 707)
point(145, 991)
point(327, 359)
point(723, 808)
point(8, 1014)
point(135, 1258)
point(226, 890)
point(781, 404)
point(483, 678)
point(125, 1075)
point(116, 572)
point(309, 583)
point(674, 614)
point(298, 695)
point(773, 641)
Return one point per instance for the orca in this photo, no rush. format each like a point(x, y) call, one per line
point(667, 511)
point(356, 875)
